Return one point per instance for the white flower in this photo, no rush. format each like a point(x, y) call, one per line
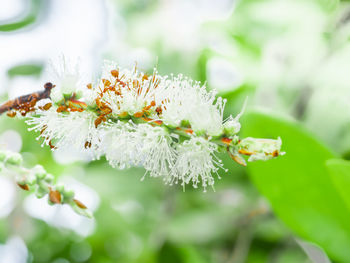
point(178, 98)
point(159, 155)
point(73, 129)
point(121, 145)
point(89, 96)
point(56, 95)
point(127, 90)
point(127, 144)
point(65, 75)
point(184, 99)
point(196, 162)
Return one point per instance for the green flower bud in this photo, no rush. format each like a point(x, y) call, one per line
point(43, 187)
point(39, 172)
point(14, 159)
point(260, 149)
point(231, 126)
point(49, 178)
point(68, 195)
point(31, 179)
point(60, 188)
point(40, 194)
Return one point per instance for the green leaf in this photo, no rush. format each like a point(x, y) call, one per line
point(25, 69)
point(30, 18)
point(298, 185)
point(329, 5)
point(340, 174)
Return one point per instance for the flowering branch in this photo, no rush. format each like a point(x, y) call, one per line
point(38, 181)
point(173, 127)
point(26, 103)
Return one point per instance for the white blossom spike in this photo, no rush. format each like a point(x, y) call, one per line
point(172, 126)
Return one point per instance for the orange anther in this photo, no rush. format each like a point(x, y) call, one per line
point(99, 120)
point(138, 114)
point(47, 106)
point(23, 186)
point(227, 141)
point(115, 73)
point(159, 109)
point(80, 204)
point(275, 153)
point(237, 158)
point(55, 196)
point(11, 114)
point(159, 122)
point(61, 108)
point(87, 145)
point(106, 82)
point(51, 145)
point(190, 131)
point(245, 152)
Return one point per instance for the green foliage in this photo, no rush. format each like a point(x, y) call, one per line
point(298, 185)
point(329, 5)
point(340, 174)
point(307, 188)
point(25, 69)
point(30, 18)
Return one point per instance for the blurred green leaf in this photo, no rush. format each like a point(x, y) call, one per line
point(298, 185)
point(30, 18)
point(340, 174)
point(329, 5)
point(25, 69)
point(185, 254)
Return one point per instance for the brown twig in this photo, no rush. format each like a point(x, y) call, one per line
point(26, 103)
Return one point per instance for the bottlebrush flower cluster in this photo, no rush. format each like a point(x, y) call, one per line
point(170, 125)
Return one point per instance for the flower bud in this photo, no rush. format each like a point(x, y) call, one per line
point(39, 172)
point(60, 188)
point(231, 126)
point(31, 179)
point(67, 195)
point(260, 149)
point(14, 159)
point(49, 178)
point(40, 194)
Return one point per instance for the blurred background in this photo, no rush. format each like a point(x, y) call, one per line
point(291, 58)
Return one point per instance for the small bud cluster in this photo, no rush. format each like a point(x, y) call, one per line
point(172, 126)
point(39, 182)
